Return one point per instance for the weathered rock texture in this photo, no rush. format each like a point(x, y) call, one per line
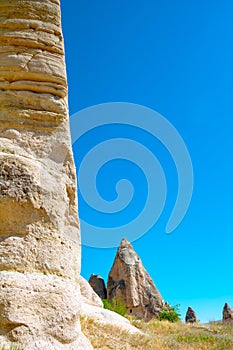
point(98, 285)
point(92, 307)
point(190, 316)
point(227, 314)
point(88, 295)
point(130, 282)
point(104, 316)
point(39, 229)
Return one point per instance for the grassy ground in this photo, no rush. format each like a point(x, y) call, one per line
point(159, 335)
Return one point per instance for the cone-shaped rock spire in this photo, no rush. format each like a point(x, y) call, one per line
point(130, 282)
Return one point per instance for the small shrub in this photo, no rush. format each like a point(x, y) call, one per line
point(117, 306)
point(170, 313)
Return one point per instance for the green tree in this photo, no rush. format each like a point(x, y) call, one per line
point(170, 313)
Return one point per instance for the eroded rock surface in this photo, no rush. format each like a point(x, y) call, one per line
point(88, 295)
point(92, 307)
point(130, 282)
point(104, 316)
point(39, 230)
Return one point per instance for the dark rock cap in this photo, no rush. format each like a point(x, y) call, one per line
point(98, 285)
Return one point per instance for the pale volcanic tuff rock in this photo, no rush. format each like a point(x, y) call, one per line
point(104, 316)
point(39, 229)
point(227, 314)
point(92, 307)
point(130, 282)
point(88, 295)
point(98, 285)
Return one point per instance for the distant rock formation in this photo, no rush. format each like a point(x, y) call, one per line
point(227, 314)
point(190, 316)
point(130, 282)
point(39, 227)
point(98, 285)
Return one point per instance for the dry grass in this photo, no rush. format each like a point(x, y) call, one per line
point(12, 347)
point(159, 335)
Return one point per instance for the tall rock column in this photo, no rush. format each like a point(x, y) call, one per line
point(39, 229)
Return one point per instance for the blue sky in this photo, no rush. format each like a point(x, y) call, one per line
point(174, 57)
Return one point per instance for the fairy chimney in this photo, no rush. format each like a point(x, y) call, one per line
point(130, 282)
point(39, 227)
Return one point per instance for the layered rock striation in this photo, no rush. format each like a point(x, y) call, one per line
point(39, 230)
point(130, 282)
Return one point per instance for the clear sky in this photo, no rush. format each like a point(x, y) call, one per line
point(174, 57)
